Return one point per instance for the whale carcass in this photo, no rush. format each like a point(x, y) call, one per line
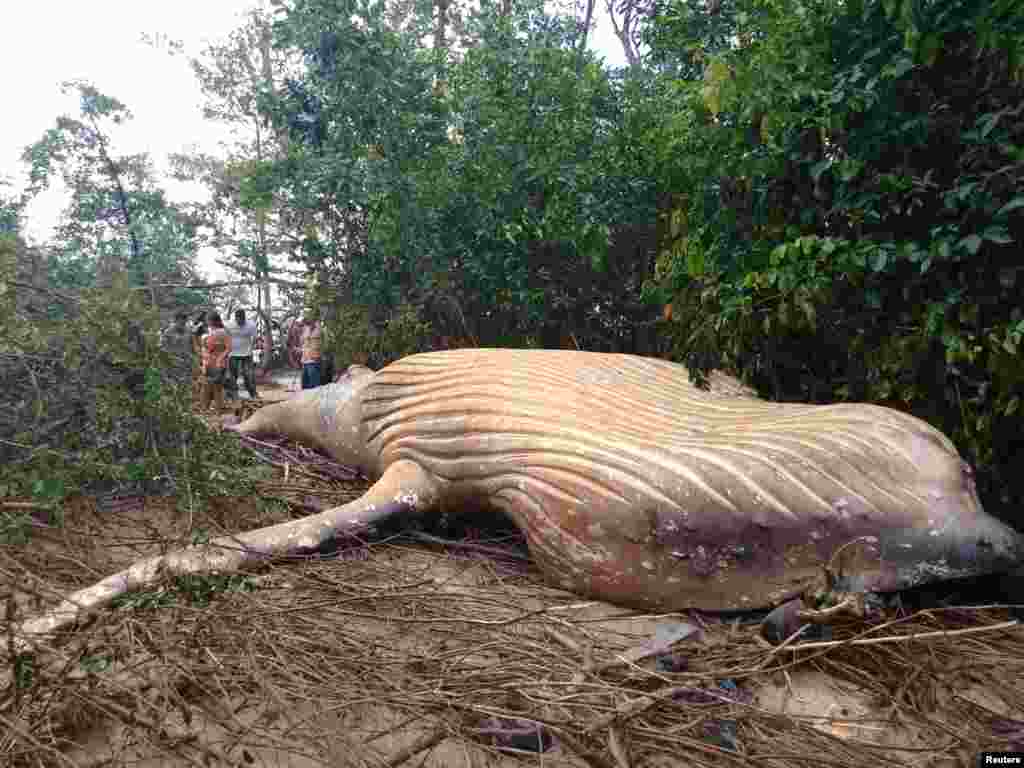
point(630, 483)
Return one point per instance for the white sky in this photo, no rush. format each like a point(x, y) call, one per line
point(44, 42)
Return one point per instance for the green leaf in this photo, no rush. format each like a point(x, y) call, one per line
point(964, 191)
point(879, 259)
point(1017, 202)
point(929, 48)
point(997, 234)
point(849, 168)
point(971, 244)
point(48, 488)
point(989, 121)
point(900, 67)
point(200, 536)
point(1011, 407)
point(95, 664)
point(818, 168)
point(695, 262)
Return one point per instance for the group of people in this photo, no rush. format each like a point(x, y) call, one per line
point(216, 354)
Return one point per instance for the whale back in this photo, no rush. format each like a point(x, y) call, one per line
point(634, 485)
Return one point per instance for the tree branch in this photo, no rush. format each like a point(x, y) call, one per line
point(211, 286)
point(47, 291)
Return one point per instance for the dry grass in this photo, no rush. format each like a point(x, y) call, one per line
point(397, 652)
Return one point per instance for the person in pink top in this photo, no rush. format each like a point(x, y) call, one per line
point(215, 363)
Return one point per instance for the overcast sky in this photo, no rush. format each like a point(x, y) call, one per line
point(44, 42)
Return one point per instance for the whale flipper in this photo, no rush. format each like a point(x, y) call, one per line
point(403, 488)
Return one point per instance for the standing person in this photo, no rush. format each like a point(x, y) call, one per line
point(242, 335)
point(177, 340)
point(198, 355)
point(218, 347)
point(312, 342)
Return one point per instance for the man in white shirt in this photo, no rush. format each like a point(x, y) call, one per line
point(242, 335)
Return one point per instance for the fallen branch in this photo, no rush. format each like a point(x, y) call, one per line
point(194, 740)
point(467, 545)
point(635, 706)
point(903, 638)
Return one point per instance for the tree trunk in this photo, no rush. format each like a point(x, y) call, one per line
point(587, 19)
point(441, 25)
point(625, 30)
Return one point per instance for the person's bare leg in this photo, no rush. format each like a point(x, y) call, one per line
point(207, 394)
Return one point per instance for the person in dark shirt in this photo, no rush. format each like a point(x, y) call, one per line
point(177, 340)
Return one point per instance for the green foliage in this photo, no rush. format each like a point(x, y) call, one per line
point(23, 665)
point(8, 260)
point(95, 664)
point(135, 427)
point(200, 589)
point(86, 403)
point(15, 527)
point(483, 189)
point(351, 336)
point(117, 220)
point(10, 212)
point(195, 589)
point(852, 215)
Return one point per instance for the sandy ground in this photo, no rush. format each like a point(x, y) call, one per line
point(377, 733)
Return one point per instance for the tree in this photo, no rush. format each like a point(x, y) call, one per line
point(10, 210)
point(625, 17)
point(851, 208)
point(117, 219)
point(486, 202)
point(251, 225)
